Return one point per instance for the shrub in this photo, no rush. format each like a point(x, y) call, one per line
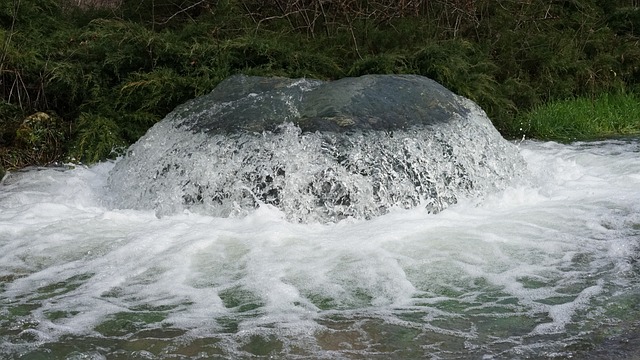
point(98, 138)
point(111, 73)
point(381, 64)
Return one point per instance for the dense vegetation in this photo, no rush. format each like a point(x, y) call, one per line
point(83, 79)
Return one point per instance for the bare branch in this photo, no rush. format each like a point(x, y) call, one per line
point(182, 11)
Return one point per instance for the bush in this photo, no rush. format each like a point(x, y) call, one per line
point(381, 64)
point(109, 74)
point(98, 138)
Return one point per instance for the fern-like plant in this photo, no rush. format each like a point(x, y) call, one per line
point(98, 138)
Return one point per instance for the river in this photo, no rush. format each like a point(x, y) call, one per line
point(547, 268)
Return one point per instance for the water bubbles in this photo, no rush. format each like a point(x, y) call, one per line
point(547, 268)
point(314, 176)
point(319, 152)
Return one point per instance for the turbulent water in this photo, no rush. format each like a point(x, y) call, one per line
point(317, 151)
point(546, 268)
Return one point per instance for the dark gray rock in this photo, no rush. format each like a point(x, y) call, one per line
point(317, 151)
point(372, 102)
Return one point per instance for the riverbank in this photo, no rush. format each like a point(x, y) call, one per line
point(103, 76)
point(582, 119)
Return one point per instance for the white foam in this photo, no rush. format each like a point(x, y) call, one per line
point(553, 245)
point(312, 177)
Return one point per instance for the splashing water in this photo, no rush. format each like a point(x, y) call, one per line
point(232, 151)
point(436, 240)
point(542, 269)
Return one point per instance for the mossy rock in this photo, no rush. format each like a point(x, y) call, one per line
point(36, 128)
point(42, 135)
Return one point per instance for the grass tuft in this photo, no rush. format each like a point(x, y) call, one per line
point(608, 115)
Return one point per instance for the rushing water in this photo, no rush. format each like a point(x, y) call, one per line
point(547, 268)
point(317, 151)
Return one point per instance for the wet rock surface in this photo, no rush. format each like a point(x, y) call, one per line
point(318, 151)
point(372, 102)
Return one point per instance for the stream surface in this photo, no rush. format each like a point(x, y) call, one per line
point(546, 268)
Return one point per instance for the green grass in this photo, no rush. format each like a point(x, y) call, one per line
point(582, 119)
point(109, 74)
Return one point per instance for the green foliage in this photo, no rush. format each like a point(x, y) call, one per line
point(112, 73)
point(119, 46)
point(625, 21)
point(582, 118)
point(98, 138)
point(10, 117)
point(38, 130)
point(278, 55)
point(24, 28)
point(162, 13)
point(381, 64)
point(460, 66)
point(40, 139)
point(159, 88)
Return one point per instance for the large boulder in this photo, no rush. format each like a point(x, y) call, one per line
point(318, 151)
point(372, 102)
